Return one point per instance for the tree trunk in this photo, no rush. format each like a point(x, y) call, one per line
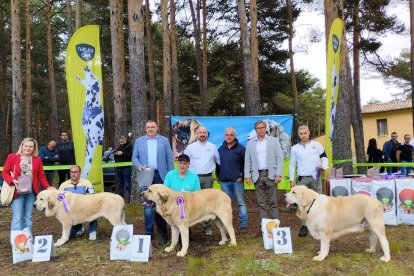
point(293, 87)
point(69, 18)
point(252, 97)
point(17, 122)
point(166, 62)
point(174, 62)
point(254, 46)
point(120, 99)
point(341, 144)
point(196, 35)
point(122, 73)
point(79, 13)
point(204, 103)
point(4, 139)
point(151, 63)
point(28, 115)
point(355, 108)
point(412, 57)
point(136, 43)
point(51, 73)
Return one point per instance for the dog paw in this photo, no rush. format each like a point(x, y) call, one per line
point(222, 242)
point(169, 249)
point(318, 258)
point(233, 244)
point(59, 242)
point(385, 259)
point(369, 250)
point(181, 253)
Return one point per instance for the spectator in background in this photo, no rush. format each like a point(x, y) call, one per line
point(390, 152)
point(405, 153)
point(49, 155)
point(375, 155)
point(66, 155)
point(123, 153)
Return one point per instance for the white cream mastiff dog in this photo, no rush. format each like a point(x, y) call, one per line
point(199, 206)
point(82, 208)
point(331, 217)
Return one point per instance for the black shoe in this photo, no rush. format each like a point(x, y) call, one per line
point(303, 231)
point(162, 242)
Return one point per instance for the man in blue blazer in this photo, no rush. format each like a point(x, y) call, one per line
point(153, 150)
point(263, 166)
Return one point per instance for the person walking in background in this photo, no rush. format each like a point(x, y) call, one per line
point(123, 153)
point(203, 155)
point(390, 152)
point(230, 173)
point(263, 166)
point(153, 150)
point(311, 159)
point(375, 155)
point(405, 153)
point(66, 155)
point(49, 155)
point(25, 165)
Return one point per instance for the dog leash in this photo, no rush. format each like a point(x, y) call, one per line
point(310, 206)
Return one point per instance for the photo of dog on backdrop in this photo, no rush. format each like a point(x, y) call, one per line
point(198, 206)
point(80, 209)
point(329, 218)
point(183, 135)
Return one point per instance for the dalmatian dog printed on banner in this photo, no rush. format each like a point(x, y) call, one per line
point(92, 117)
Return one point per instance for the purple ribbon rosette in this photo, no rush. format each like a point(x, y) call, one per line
point(180, 202)
point(61, 197)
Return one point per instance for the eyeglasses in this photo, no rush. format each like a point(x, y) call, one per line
point(75, 172)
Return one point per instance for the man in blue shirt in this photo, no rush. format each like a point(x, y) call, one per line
point(231, 173)
point(153, 150)
point(182, 179)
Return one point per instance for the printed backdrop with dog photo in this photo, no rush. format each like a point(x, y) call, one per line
point(183, 134)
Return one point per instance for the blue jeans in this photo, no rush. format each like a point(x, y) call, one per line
point(124, 180)
point(405, 170)
point(93, 226)
point(150, 215)
point(237, 189)
point(22, 207)
point(391, 170)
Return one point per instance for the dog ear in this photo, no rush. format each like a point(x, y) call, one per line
point(163, 197)
point(307, 197)
point(50, 204)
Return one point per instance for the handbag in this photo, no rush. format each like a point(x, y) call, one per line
point(24, 186)
point(7, 192)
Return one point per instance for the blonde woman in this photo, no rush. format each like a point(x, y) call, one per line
point(25, 162)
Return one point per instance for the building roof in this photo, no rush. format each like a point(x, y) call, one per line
point(383, 107)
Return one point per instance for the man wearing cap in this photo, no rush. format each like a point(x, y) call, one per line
point(203, 156)
point(153, 150)
point(182, 179)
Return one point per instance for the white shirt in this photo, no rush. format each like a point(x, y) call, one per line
point(202, 157)
point(308, 159)
point(261, 149)
point(152, 151)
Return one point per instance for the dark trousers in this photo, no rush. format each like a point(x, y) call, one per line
point(63, 175)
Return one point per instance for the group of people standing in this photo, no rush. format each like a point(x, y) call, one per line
point(259, 164)
point(392, 152)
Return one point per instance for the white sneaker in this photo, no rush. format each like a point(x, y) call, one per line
point(92, 236)
point(208, 232)
point(80, 232)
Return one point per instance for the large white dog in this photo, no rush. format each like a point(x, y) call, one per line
point(81, 208)
point(331, 217)
point(198, 206)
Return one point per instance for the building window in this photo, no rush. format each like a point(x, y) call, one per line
point(382, 128)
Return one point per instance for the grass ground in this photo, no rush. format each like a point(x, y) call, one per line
point(205, 257)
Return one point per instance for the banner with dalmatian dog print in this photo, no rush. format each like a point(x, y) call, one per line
point(84, 84)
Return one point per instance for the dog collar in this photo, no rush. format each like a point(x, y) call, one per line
point(310, 206)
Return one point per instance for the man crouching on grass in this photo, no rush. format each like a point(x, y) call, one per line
point(78, 185)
